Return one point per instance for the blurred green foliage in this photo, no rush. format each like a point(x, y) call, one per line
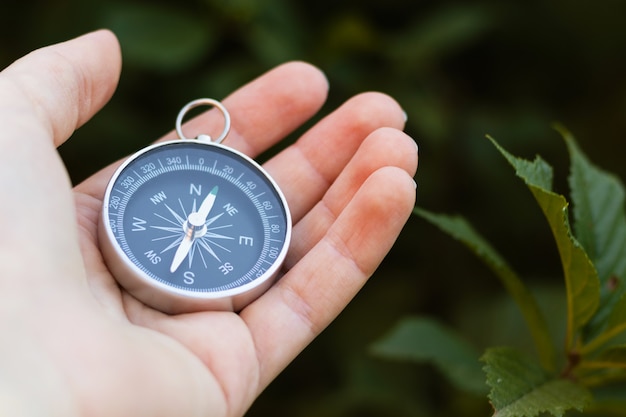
point(591, 361)
point(461, 69)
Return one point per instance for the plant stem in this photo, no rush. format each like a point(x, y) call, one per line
point(602, 339)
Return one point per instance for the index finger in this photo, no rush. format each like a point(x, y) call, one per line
point(266, 109)
point(262, 112)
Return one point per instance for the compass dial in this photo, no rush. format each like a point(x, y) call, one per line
point(190, 225)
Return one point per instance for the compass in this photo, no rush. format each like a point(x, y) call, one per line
point(193, 225)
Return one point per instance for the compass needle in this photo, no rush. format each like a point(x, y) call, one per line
point(193, 225)
point(181, 252)
point(192, 251)
point(207, 205)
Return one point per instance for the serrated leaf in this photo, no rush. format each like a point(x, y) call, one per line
point(158, 37)
point(581, 279)
point(521, 388)
point(599, 225)
point(599, 216)
point(537, 173)
point(423, 340)
point(460, 229)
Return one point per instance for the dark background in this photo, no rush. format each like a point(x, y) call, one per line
point(460, 69)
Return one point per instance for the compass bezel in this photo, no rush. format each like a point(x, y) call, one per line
point(172, 299)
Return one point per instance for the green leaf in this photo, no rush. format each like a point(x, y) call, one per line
point(599, 224)
point(461, 230)
point(581, 279)
point(423, 340)
point(521, 388)
point(537, 173)
point(599, 216)
point(158, 37)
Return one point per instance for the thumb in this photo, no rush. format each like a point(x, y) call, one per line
point(59, 87)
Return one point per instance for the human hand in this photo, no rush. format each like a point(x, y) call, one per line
point(76, 344)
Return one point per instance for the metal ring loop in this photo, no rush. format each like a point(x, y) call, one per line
point(203, 102)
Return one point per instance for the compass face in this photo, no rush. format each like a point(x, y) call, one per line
point(190, 225)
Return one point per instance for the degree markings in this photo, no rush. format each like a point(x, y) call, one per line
point(124, 193)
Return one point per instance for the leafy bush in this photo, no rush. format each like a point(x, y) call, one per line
point(593, 259)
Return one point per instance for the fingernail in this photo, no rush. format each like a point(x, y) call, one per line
point(415, 184)
point(406, 116)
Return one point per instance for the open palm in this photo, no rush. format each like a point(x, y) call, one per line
point(75, 343)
